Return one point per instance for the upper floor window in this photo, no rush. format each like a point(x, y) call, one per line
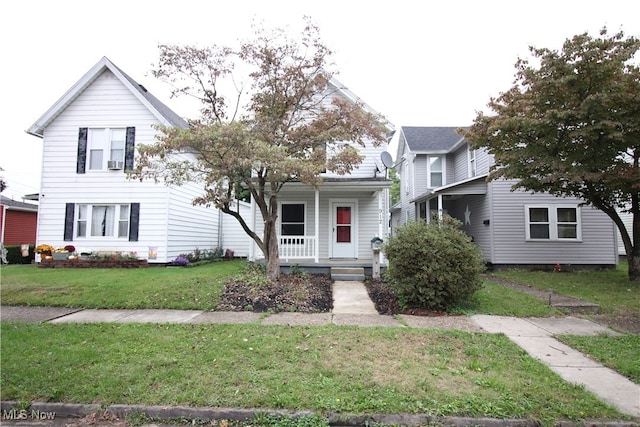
point(435, 172)
point(553, 223)
point(103, 221)
point(104, 145)
point(473, 168)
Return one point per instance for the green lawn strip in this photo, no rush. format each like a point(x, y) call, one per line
point(619, 353)
point(342, 369)
point(502, 301)
point(611, 289)
point(196, 288)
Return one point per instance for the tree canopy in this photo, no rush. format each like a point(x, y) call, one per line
point(570, 126)
point(289, 127)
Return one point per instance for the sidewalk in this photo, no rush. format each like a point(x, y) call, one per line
point(352, 306)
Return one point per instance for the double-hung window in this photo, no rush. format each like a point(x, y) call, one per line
point(435, 171)
point(560, 222)
point(473, 166)
point(104, 145)
point(293, 222)
point(103, 221)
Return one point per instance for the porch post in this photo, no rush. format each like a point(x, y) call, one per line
point(252, 244)
point(381, 215)
point(440, 207)
point(317, 227)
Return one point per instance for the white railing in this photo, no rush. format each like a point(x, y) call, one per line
point(297, 247)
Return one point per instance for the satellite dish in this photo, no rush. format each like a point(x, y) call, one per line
point(387, 161)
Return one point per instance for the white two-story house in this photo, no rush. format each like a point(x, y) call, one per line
point(89, 141)
point(334, 222)
point(440, 174)
point(90, 137)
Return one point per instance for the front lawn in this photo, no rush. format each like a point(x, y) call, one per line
point(329, 368)
point(611, 289)
point(620, 353)
point(196, 288)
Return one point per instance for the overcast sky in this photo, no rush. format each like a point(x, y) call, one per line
point(420, 63)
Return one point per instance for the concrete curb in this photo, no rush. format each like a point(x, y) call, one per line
point(182, 413)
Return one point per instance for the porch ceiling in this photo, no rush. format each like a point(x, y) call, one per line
point(343, 185)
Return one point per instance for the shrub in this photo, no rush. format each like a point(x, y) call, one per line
point(14, 254)
point(433, 265)
point(203, 255)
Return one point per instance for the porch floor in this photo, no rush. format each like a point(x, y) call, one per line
point(323, 266)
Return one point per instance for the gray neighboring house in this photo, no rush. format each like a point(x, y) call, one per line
point(440, 174)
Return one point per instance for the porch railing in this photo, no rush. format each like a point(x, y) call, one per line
point(297, 247)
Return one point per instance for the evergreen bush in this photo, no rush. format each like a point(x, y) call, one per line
point(434, 265)
point(14, 254)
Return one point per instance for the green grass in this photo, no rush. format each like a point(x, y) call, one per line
point(339, 369)
point(502, 301)
point(620, 353)
point(611, 289)
point(195, 288)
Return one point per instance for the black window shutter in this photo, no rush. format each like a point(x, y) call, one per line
point(129, 149)
point(82, 150)
point(134, 221)
point(68, 221)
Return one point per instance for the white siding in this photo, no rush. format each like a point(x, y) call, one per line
point(627, 219)
point(233, 236)
point(108, 103)
point(190, 227)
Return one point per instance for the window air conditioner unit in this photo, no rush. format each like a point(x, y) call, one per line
point(114, 165)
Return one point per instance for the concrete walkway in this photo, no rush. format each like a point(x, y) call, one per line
point(352, 306)
point(535, 336)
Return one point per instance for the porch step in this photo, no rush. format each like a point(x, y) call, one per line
point(347, 273)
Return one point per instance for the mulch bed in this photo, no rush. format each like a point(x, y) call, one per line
point(303, 294)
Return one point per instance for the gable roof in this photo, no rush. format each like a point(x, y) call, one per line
point(348, 94)
point(164, 114)
point(431, 139)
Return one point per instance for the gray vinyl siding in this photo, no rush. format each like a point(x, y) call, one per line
point(480, 211)
point(511, 247)
point(460, 164)
point(484, 161)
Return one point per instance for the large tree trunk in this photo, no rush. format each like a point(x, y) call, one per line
point(272, 255)
point(273, 260)
point(634, 265)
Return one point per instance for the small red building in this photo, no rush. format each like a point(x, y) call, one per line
point(18, 222)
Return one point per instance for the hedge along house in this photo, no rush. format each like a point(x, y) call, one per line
point(440, 174)
point(333, 224)
point(89, 142)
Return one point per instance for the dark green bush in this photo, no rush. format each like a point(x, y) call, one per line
point(433, 265)
point(14, 254)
